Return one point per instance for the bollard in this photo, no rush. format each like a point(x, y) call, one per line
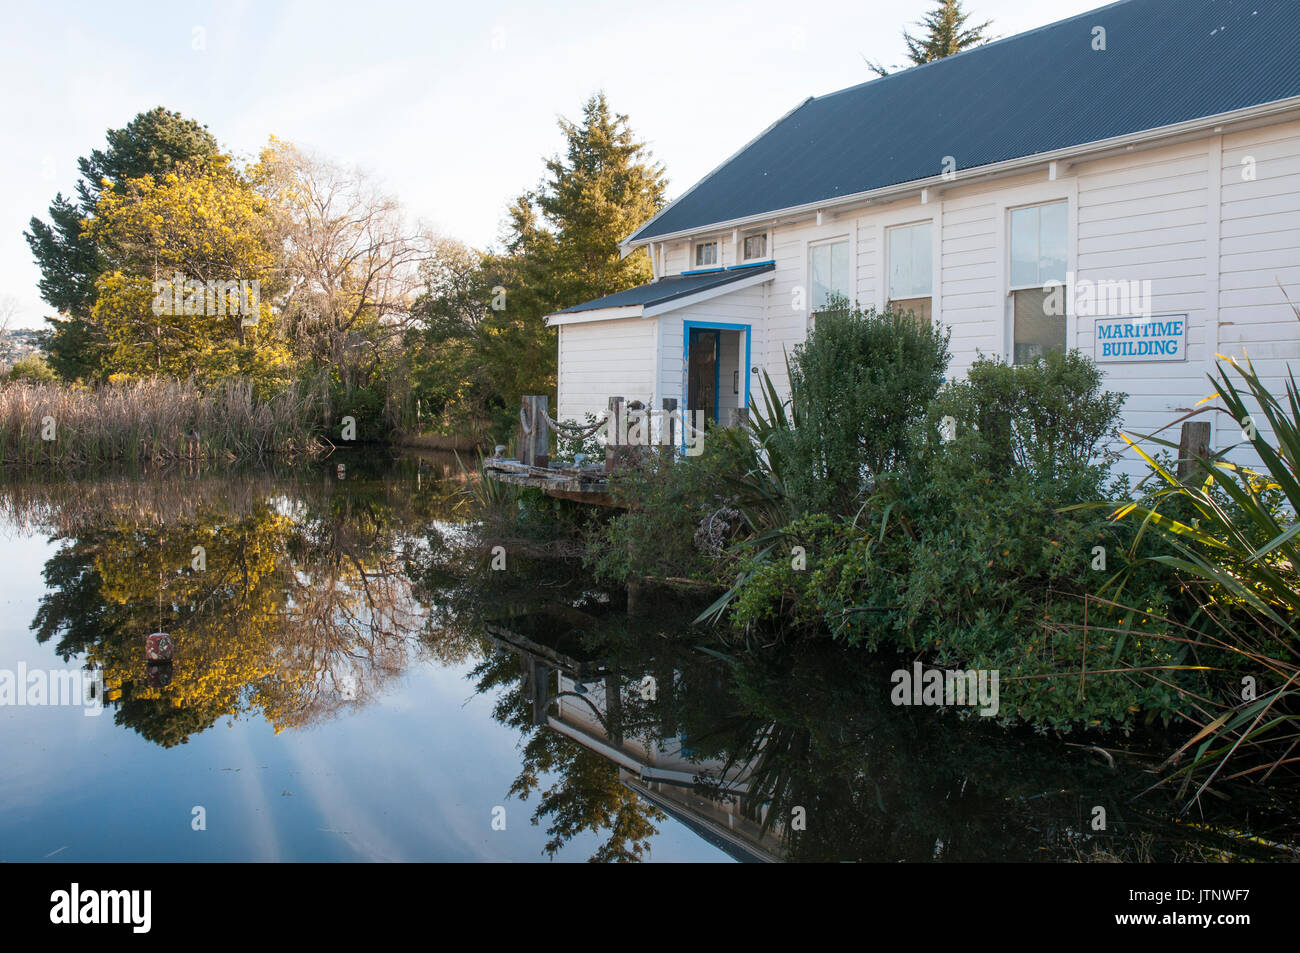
point(669, 437)
point(534, 437)
point(1193, 444)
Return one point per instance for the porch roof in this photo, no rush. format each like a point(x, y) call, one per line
point(670, 288)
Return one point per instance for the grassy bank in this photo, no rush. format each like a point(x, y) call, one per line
point(157, 419)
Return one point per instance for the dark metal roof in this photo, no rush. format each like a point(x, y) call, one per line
point(672, 287)
point(1165, 62)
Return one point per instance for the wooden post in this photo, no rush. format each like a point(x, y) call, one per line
point(669, 431)
point(541, 689)
point(534, 437)
point(614, 433)
point(613, 708)
point(1193, 444)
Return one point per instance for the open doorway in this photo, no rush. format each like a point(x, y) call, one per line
point(703, 372)
point(717, 381)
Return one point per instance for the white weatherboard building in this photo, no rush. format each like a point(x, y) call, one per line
point(1125, 182)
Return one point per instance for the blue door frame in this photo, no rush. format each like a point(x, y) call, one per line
point(687, 328)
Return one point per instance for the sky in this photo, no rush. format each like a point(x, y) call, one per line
point(453, 107)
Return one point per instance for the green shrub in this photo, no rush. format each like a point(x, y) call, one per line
point(33, 368)
point(569, 443)
point(366, 405)
point(681, 515)
point(862, 381)
point(964, 557)
point(1047, 422)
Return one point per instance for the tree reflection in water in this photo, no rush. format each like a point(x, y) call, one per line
point(288, 597)
point(316, 593)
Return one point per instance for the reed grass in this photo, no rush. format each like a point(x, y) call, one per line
point(154, 420)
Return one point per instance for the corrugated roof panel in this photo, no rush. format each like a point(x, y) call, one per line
point(1165, 62)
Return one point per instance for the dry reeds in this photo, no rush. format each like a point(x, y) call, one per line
point(156, 419)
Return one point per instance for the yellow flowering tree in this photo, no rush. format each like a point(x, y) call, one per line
point(192, 273)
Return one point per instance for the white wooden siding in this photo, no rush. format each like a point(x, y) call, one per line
point(1214, 244)
point(1259, 255)
point(1147, 218)
point(603, 359)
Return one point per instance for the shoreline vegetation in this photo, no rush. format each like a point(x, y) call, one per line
point(266, 275)
point(978, 526)
point(155, 420)
point(165, 420)
point(875, 507)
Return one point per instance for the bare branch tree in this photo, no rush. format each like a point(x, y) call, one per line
point(8, 311)
point(351, 258)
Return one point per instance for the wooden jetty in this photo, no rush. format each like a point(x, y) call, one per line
point(582, 482)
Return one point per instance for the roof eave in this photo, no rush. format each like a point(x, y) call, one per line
point(685, 301)
point(626, 245)
point(618, 313)
point(764, 274)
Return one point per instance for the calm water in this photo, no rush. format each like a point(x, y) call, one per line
point(350, 680)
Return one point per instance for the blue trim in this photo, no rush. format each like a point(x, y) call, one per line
point(687, 327)
point(722, 268)
point(717, 376)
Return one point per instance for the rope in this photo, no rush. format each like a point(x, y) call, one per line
point(574, 429)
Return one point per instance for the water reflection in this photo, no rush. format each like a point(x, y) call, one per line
point(292, 601)
point(297, 597)
point(798, 754)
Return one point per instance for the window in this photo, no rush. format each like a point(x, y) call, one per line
point(910, 270)
point(828, 268)
point(754, 247)
point(706, 254)
point(1038, 256)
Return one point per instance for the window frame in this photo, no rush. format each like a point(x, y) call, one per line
point(831, 238)
point(766, 235)
point(1011, 286)
point(913, 213)
point(697, 244)
point(886, 262)
point(1065, 189)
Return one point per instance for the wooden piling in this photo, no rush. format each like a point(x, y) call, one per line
point(534, 435)
point(1193, 444)
point(615, 435)
point(669, 439)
